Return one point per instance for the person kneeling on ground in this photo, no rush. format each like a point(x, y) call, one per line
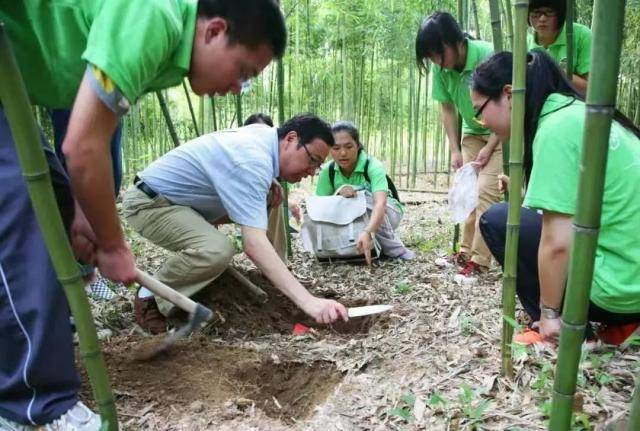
point(219, 178)
point(352, 169)
point(554, 129)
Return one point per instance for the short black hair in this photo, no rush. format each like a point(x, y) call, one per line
point(258, 118)
point(560, 6)
point(436, 31)
point(351, 129)
point(251, 22)
point(308, 127)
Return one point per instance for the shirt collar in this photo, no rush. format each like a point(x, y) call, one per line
point(182, 57)
point(561, 39)
point(472, 56)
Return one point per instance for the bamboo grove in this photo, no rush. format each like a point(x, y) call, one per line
point(354, 60)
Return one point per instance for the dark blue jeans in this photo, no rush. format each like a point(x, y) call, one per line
point(60, 121)
point(38, 380)
point(493, 226)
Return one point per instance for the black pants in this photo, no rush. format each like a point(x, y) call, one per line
point(38, 380)
point(493, 226)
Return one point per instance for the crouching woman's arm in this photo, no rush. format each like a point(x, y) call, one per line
point(377, 217)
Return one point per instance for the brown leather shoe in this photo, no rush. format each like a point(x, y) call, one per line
point(148, 316)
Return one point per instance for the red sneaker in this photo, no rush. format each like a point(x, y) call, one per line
point(528, 337)
point(616, 334)
point(471, 268)
point(460, 258)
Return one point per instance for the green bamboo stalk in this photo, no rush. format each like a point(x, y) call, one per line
point(509, 19)
point(239, 116)
point(634, 411)
point(608, 25)
point(496, 28)
point(285, 186)
point(193, 115)
point(414, 162)
point(569, 33)
point(515, 185)
point(213, 113)
point(476, 22)
point(167, 118)
point(13, 95)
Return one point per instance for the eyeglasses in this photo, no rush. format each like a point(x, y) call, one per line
point(478, 113)
point(314, 160)
point(548, 13)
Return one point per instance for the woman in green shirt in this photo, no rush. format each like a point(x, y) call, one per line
point(554, 129)
point(352, 169)
point(454, 56)
point(547, 19)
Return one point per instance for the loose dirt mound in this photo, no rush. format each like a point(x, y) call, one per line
point(238, 313)
point(196, 373)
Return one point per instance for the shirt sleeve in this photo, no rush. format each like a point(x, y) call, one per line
point(378, 176)
point(243, 192)
point(438, 91)
point(323, 188)
point(130, 41)
point(554, 176)
point(583, 46)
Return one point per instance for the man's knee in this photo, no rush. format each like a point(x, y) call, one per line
point(493, 222)
point(215, 258)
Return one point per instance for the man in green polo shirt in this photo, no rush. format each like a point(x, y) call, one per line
point(97, 57)
point(547, 19)
point(454, 57)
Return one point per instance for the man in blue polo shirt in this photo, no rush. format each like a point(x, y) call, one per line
point(220, 178)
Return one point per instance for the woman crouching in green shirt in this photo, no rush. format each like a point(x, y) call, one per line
point(353, 169)
point(547, 20)
point(554, 129)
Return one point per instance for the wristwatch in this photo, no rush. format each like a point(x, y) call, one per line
point(548, 312)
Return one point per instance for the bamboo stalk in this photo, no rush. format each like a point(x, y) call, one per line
point(476, 22)
point(515, 183)
point(509, 19)
point(496, 28)
point(634, 411)
point(601, 99)
point(569, 32)
point(193, 115)
point(167, 118)
point(238, 98)
point(285, 186)
point(13, 95)
point(214, 118)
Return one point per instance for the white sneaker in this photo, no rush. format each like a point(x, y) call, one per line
point(77, 418)
point(7, 425)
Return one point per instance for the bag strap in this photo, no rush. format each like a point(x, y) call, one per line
point(332, 175)
point(390, 185)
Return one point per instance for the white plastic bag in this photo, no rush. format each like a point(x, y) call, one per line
point(463, 195)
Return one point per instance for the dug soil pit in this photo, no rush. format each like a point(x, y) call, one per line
point(213, 377)
point(238, 312)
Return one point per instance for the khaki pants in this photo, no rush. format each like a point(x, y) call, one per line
point(488, 194)
point(200, 252)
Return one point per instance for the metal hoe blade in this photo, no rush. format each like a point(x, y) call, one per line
point(368, 310)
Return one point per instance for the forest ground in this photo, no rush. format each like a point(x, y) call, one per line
point(431, 363)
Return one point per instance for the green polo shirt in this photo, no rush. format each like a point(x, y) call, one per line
point(557, 149)
point(377, 175)
point(450, 86)
point(558, 49)
point(142, 45)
